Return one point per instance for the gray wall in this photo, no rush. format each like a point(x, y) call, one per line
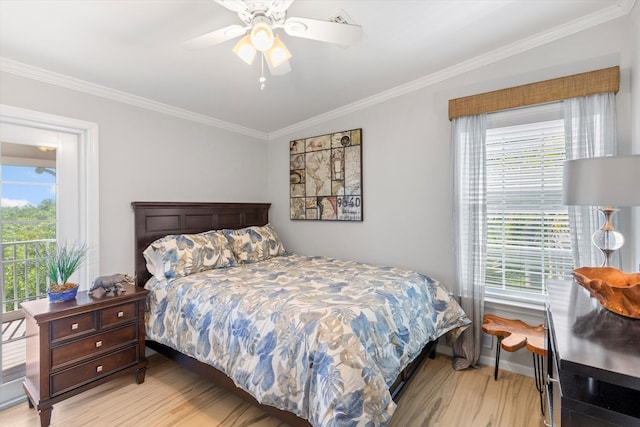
point(634, 40)
point(407, 164)
point(148, 156)
point(407, 157)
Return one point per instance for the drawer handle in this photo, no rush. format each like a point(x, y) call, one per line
point(99, 368)
point(99, 344)
point(121, 314)
point(550, 379)
point(74, 326)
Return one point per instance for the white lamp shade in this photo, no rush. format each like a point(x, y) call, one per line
point(602, 181)
point(245, 50)
point(278, 54)
point(262, 37)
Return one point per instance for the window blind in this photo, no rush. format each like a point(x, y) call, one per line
point(528, 237)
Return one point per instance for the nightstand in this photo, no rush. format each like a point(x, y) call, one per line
point(76, 345)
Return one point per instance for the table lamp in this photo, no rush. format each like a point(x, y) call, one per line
point(607, 182)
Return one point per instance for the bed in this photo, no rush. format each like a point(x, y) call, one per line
point(311, 340)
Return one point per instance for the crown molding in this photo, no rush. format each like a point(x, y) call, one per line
point(614, 11)
point(626, 5)
point(50, 77)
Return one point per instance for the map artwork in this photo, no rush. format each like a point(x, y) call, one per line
point(326, 177)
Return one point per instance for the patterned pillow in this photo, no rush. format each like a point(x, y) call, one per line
point(180, 255)
point(253, 244)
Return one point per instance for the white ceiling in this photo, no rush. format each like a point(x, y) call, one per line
point(136, 47)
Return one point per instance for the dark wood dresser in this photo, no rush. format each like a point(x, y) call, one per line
point(593, 361)
point(79, 344)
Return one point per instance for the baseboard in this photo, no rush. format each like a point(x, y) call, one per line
point(13, 402)
point(505, 365)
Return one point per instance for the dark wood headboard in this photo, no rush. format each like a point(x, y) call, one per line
point(154, 220)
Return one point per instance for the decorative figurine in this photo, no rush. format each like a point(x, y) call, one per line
point(114, 283)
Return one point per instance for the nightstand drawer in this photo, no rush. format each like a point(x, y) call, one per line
point(92, 345)
point(118, 314)
point(94, 369)
point(72, 325)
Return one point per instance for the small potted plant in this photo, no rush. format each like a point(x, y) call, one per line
point(60, 264)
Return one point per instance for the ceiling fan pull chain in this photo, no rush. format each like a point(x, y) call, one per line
point(262, 79)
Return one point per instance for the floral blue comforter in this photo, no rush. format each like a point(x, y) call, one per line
point(318, 337)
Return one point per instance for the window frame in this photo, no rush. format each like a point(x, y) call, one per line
point(84, 150)
point(514, 117)
point(88, 225)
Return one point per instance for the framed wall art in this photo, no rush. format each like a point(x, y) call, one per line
point(326, 177)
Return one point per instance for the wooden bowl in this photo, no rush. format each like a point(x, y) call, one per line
point(616, 290)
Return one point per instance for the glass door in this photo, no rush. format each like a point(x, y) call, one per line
point(28, 227)
point(70, 174)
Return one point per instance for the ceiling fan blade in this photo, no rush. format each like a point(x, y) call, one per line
point(326, 31)
point(216, 37)
point(279, 6)
point(281, 69)
point(233, 5)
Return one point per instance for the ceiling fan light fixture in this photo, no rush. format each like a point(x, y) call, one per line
point(278, 54)
point(262, 36)
point(245, 50)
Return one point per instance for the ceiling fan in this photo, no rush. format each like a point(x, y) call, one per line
point(260, 18)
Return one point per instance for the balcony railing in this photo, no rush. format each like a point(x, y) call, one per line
point(23, 275)
point(22, 278)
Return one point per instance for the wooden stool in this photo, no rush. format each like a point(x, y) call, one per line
point(512, 336)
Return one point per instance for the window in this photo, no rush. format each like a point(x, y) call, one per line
point(524, 232)
point(528, 238)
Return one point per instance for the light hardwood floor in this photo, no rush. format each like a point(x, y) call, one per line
point(172, 396)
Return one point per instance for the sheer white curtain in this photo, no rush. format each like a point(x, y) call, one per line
point(468, 140)
point(590, 131)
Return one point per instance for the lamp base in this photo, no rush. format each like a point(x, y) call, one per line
point(607, 239)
